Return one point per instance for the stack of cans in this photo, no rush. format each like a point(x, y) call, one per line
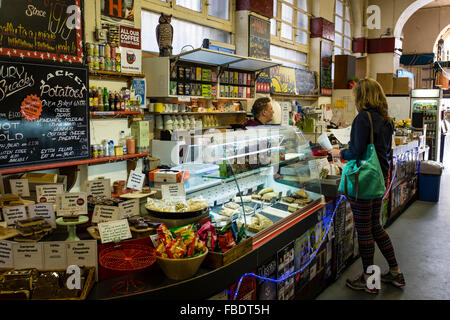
point(104, 57)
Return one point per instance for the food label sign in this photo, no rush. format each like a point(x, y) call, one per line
point(71, 204)
point(44, 116)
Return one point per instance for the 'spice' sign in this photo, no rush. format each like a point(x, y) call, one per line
point(130, 37)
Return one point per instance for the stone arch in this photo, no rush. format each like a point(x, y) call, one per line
point(406, 14)
point(445, 33)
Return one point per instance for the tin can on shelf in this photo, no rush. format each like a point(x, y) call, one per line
point(118, 67)
point(107, 51)
point(187, 89)
point(94, 151)
point(90, 61)
point(181, 74)
point(95, 49)
point(187, 73)
point(101, 50)
point(108, 64)
point(89, 49)
point(96, 63)
point(180, 88)
point(101, 63)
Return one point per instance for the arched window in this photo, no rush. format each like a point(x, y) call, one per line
point(343, 30)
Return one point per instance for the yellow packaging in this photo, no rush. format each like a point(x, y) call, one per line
point(118, 150)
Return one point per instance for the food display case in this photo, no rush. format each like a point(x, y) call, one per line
point(262, 177)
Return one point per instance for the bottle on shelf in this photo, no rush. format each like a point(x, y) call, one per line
point(123, 141)
point(111, 101)
point(105, 100)
point(116, 101)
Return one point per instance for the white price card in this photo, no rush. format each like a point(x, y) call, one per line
point(48, 192)
point(184, 99)
point(173, 191)
point(82, 253)
point(20, 187)
point(71, 204)
point(6, 254)
point(114, 231)
point(105, 214)
point(28, 255)
point(14, 214)
point(129, 208)
point(135, 180)
point(55, 255)
point(98, 188)
point(43, 210)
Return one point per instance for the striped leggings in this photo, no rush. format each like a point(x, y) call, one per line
point(366, 214)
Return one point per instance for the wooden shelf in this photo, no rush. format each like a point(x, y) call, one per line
point(294, 96)
point(118, 114)
point(56, 165)
point(111, 75)
point(196, 113)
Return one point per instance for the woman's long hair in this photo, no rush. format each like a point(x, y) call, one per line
point(369, 94)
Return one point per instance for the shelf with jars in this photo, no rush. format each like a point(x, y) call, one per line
point(203, 73)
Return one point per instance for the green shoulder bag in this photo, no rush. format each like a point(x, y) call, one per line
point(363, 178)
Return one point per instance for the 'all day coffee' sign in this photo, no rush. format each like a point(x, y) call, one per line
point(130, 49)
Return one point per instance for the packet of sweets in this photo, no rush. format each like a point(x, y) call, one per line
point(185, 231)
point(207, 233)
point(161, 250)
point(164, 234)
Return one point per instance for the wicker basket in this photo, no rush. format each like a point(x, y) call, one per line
point(181, 269)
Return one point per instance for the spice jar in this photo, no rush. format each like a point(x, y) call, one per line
point(131, 145)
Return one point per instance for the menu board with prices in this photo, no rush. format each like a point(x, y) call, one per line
point(46, 30)
point(44, 116)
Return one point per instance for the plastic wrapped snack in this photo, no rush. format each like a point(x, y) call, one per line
point(164, 235)
point(208, 234)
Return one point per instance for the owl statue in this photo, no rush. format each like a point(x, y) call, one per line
point(164, 35)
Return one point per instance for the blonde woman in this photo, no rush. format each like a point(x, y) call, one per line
point(369, 97)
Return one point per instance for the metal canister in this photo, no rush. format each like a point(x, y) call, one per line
point(90, 61)
point(113, 52)
point(107, 51)
point(96, 63)
point(90, 49)
point(187, 73)
point(95, 49)
point(101, 63)
point(101, 50)
point(118, 65)
point(94, 151)
point(187, 89)
point(180, 88)
point(181, 73)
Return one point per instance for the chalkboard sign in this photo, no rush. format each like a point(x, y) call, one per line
point(259, 38)
point(43, 113)
point(42, 29)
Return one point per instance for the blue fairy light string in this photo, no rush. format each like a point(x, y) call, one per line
point(287, 276)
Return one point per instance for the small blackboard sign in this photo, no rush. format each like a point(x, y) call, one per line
point(259, 38)
point(42, 29)
point(44, 114)
point(305, 82)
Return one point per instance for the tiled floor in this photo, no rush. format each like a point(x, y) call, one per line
point(421, 239)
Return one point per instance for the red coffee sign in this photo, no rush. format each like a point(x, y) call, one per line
point(130, 37)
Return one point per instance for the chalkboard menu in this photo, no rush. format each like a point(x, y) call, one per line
point(305, 82)
point(259, 38)
point(43, 113)
point(326, 54)
point(41, 29)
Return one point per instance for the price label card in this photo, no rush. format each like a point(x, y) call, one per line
point(136, 180)
point(43, 210)
point(173, 191)
point(55, 255)
point(98, 188)
point(14, 214)
point(20, 187)
point(105, 214)
point(184, 99)
point(129, 208)
point(71, 204)
point(114, 231)
point(82, 253)
point(6, 254)
point(28, 255)
point(48, 192)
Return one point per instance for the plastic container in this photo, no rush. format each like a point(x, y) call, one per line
point(430, 180)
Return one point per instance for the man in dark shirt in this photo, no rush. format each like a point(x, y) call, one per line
point(262, 111)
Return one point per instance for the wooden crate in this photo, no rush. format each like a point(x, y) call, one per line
point(217, 260)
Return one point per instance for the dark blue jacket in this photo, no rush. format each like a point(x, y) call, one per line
point(360, 138)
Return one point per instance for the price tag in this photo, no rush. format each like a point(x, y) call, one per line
point(43, 210)
point(14, 214)
point(82, 253)
point(98, 188)
point(28, 255)
point(55, 255)
point(184, 99)
point(6, 251)
point(20, 187)
point(114, 231)
point(128, 208)
point(48, 192)
point(136, 180)
point(173, 191)
point(105, 214)
point(71, 204)
point(155, 240)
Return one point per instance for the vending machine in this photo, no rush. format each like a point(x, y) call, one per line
point(426, 107)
